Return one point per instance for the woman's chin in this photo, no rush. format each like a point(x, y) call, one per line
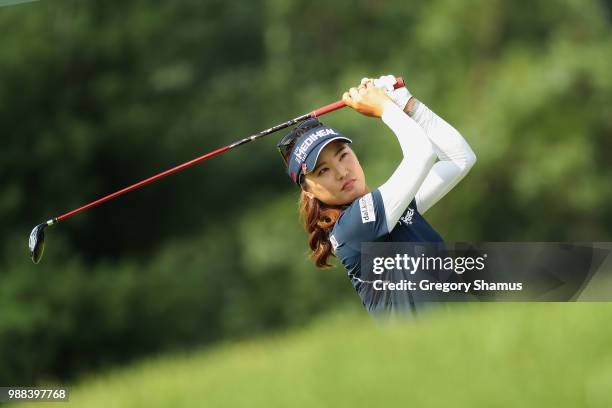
point(353, 194)
point(347, 196)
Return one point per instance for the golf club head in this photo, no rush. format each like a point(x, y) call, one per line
point(37, 242)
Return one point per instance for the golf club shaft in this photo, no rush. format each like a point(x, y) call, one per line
point(315, 113)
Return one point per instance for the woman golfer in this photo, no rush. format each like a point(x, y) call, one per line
point(340, 211)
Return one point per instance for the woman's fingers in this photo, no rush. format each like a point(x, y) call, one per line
point(362, 88)
point(356, 94)
point(346, 97)
point(366, 98)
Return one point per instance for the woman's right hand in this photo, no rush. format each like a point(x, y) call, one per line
point(366, 99)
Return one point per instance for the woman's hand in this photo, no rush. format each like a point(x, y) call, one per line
point(366, 99)
point(400, 96)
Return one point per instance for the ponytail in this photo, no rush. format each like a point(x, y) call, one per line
point(318, 220)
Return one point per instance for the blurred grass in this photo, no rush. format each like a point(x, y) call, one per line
point(476, 355)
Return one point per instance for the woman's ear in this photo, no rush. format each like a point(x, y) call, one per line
point(305, 190)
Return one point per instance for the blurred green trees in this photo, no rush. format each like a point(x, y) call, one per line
point(97, 95)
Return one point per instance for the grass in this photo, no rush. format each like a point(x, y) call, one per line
point(474, 355)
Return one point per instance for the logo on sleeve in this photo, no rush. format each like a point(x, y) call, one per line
point(366, 207)
point(333, 241)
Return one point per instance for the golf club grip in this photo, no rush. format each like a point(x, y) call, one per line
point(340, 104)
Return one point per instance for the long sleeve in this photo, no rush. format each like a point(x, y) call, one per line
point(455, 155)
point(419, 156)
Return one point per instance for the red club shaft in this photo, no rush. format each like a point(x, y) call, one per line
point(315, 113)
point(144, 182)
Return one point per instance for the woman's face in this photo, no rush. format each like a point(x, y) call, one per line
point(338, 178)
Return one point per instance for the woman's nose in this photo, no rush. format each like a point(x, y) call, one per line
point(341, 172)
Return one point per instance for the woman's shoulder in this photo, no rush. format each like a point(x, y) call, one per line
point(361, 213)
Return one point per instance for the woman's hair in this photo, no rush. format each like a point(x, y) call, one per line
point(318, 219)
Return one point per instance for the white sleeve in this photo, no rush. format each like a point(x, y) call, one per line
point(419, 156)
point(456, 157)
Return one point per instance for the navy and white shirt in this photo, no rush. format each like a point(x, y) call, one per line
point(435, 158)
point(365, 221)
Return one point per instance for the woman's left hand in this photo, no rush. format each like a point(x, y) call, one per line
point(366, 99)
point(400, 96)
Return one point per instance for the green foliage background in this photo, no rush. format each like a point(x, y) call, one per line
point(97, 95)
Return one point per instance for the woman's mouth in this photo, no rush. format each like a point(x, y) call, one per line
point(348, 185)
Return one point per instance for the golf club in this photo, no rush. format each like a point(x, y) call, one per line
point(37, 236)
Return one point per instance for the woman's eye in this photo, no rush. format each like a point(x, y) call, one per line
point(323, 170)
point(342, 155)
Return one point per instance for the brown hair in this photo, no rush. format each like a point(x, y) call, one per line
point(318, 219)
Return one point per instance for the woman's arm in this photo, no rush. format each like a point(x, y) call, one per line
point(419, 155)
point(456, 156)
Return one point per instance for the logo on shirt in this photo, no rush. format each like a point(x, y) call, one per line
point(407, 219)
point(366, 207)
